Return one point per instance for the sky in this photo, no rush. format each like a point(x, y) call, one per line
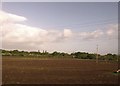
point(60, 26)
point(60, 0)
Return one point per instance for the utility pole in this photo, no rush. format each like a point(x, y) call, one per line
point(97, 54)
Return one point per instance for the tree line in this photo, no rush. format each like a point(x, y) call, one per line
point(78, 55)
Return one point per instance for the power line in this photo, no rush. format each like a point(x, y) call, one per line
point(88, 24)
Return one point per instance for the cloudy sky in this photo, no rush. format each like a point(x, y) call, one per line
point(65, 26)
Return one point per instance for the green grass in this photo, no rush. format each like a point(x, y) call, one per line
point(116, 73)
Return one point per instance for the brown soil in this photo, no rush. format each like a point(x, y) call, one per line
point(57, 71)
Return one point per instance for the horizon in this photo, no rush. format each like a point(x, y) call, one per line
point(65, 27)
point(41, 51)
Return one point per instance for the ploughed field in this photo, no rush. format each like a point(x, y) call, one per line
point(23, 70)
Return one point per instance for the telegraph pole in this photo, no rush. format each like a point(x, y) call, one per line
point(97, 54)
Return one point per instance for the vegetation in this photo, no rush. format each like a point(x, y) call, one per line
point(78, 55)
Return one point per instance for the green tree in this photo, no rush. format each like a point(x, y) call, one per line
point(91, 56)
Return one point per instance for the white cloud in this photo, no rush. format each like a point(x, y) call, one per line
point(19, 36)
point(67, 33)
point(91, 35)
point(112, 30)
point(22, 33)
point(14, 33)
point(19, 33)
point(8, 18)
